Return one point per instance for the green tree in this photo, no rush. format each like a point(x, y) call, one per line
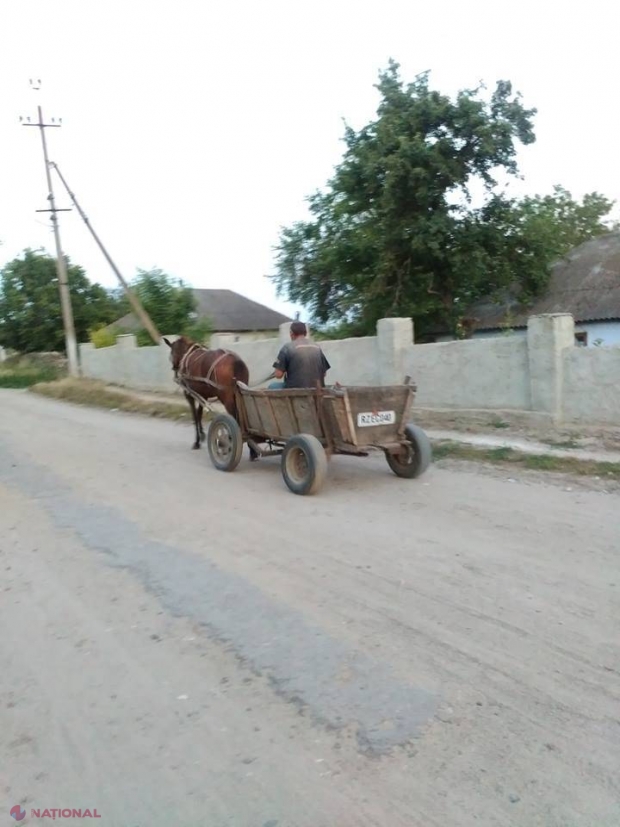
point(394, 233)
point(170, 304)
point(545, 228)
point(30, 311)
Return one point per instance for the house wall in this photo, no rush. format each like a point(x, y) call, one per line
point(542, 371)
point(241, 336)
point(608, 333)
point(605, 333)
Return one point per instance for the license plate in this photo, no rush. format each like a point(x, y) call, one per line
point(366, 420)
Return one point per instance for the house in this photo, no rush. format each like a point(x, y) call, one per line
point(585, 283)
point(227, 312)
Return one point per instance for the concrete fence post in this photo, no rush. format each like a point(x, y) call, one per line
point(548, 336)
point(394, 337)
point(127, 341)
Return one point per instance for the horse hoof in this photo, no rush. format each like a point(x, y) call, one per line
point(196, 446)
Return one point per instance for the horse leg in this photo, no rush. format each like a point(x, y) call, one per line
point(192, 405)
point(203, 436)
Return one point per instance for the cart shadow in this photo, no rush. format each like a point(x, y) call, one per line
point(344, 473)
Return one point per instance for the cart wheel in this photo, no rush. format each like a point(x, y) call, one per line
point(225, 442)
point(415, 457)
point(304, 464)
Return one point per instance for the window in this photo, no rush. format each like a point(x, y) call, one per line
point(581, 339)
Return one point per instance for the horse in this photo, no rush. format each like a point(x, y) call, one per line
point(209, 373)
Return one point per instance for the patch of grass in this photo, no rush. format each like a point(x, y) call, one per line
point(24, 378)
point(534, 462)
point(97, 395)
point(561, 443)
point(499, 423)
point(500, 454)
point(24, 371)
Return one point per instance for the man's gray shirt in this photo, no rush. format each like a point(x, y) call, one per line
point(303, 362)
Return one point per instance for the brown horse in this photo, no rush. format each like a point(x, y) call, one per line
point(209, 373)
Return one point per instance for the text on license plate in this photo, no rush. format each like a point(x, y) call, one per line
point(364, 420)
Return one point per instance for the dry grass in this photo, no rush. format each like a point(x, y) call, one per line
point(530, 462)
point(98, 395)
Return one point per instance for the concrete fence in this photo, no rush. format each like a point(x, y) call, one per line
point(542, 372)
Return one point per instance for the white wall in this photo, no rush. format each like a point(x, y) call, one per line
point(591, 392)
point(353, 361)
point(544, 371)
point(471, 374)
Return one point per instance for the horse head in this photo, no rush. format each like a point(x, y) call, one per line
point(178, 349)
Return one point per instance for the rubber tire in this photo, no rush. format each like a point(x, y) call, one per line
point(421, 458)
point(231, 425)
point(316, 461)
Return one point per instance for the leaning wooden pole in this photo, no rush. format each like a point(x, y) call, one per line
point(135, 302)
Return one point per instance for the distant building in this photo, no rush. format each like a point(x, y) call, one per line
point(227, 312)
point(585, 283)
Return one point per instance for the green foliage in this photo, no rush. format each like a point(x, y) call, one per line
point(170, 304)
point(545, 228)
point(30, 312)
point(394, 233)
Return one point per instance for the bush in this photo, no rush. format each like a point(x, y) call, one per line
point(103, 337)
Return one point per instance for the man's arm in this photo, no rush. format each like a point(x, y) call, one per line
point(281, 364)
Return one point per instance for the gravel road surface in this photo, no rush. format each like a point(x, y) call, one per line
point(185, 646)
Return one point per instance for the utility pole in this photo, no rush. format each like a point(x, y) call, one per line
point(135, 302)
point(61, 265)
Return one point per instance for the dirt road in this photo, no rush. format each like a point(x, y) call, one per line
point(183, 646)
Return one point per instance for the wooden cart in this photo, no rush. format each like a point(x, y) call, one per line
point(306, 427)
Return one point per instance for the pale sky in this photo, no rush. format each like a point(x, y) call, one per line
point(193, 130)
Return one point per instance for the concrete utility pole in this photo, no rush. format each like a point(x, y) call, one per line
point(61, 265)
point(135, 302)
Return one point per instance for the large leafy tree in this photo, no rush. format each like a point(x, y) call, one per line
point(394, 232)
point(171, 305)
point(30, 311)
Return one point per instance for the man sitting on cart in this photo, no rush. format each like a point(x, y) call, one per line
point(300, 363)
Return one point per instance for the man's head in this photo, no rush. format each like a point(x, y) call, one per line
point(298, 329)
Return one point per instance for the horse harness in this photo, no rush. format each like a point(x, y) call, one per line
point(183, 379)
point(182, 376)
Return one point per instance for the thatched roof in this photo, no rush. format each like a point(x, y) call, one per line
point(227, 311)
point(586, 283)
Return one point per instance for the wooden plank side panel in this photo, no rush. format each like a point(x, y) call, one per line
point(307, 416)
point(282, 414)
point(253, 414)
point(397, 398)
point(337, 420)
